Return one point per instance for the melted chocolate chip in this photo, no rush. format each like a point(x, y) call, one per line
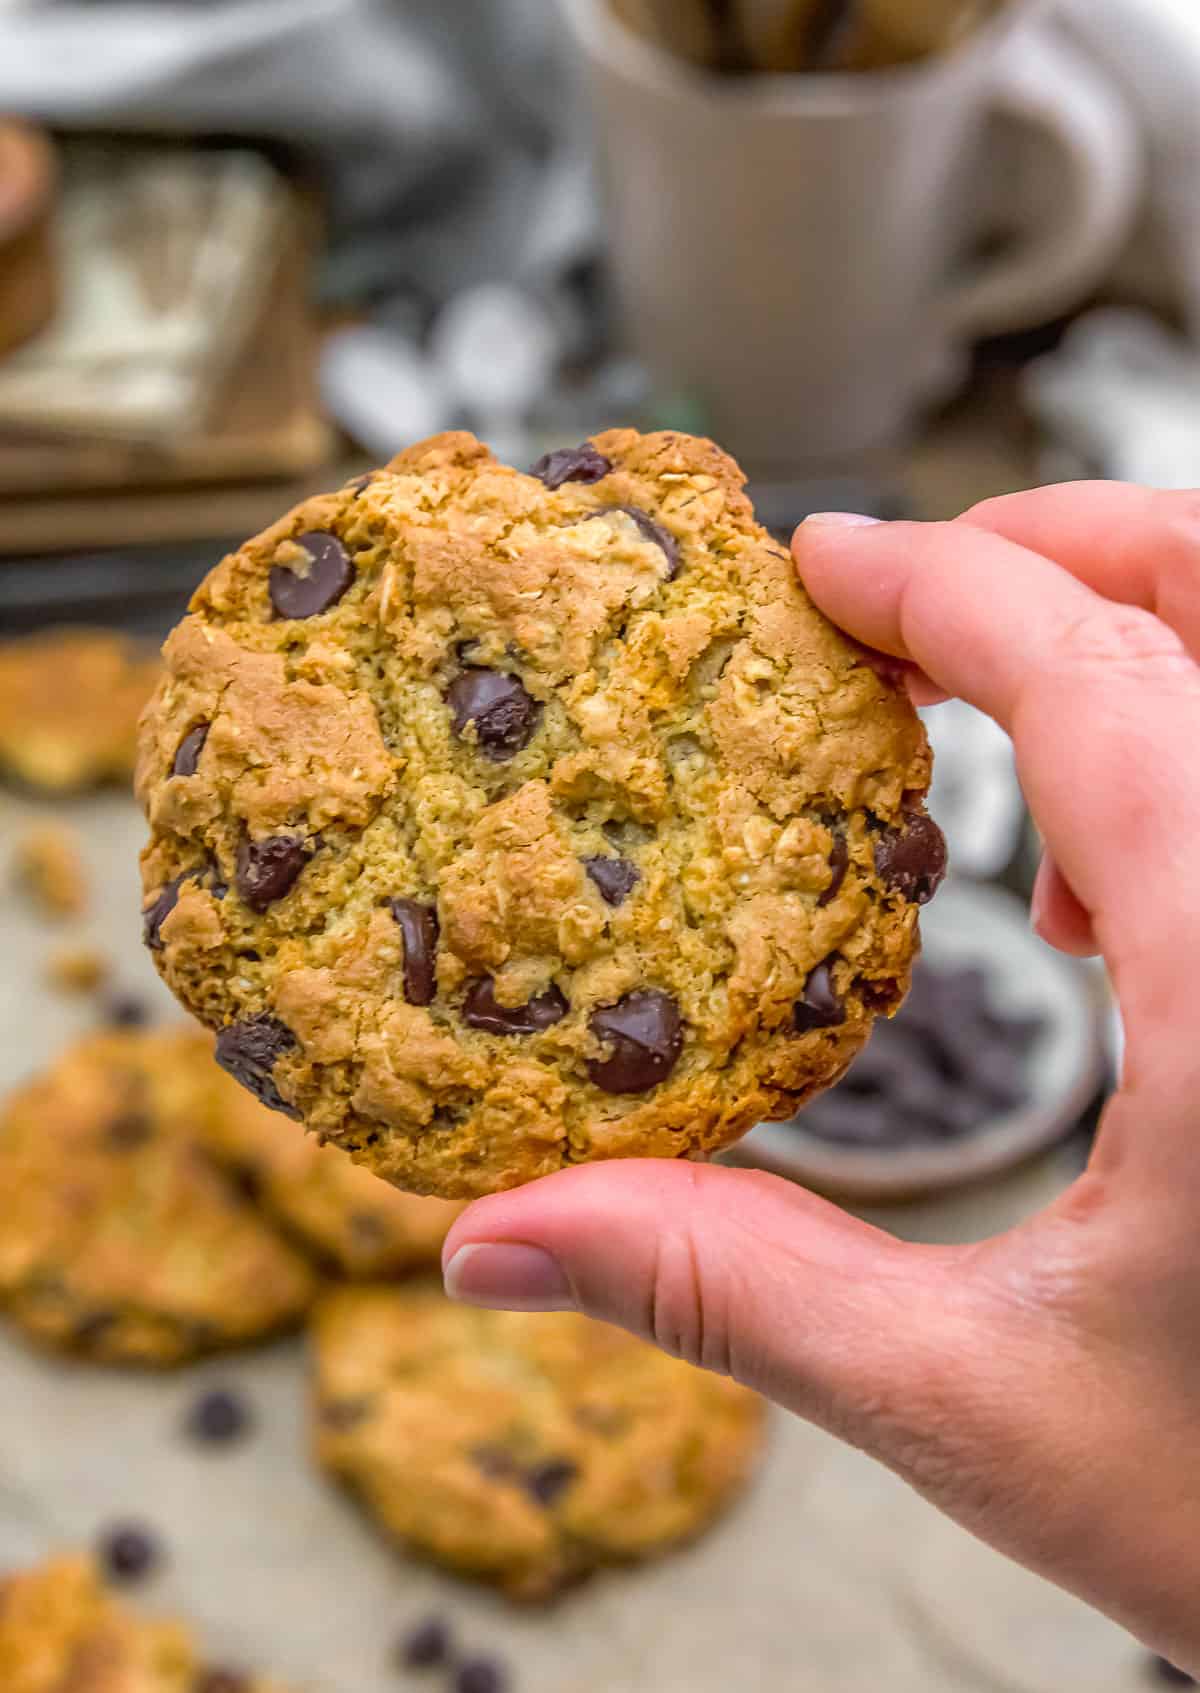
point(187, 754)
point(880, 996)
point(548, 1481)
point(504, 715)
point(645, 1034)
point(839, 861)
point(267, 869)
point(912, 862)
point(419, 930)
point(129, 1552)
point(218, 1418)
point(250, 1052)
point(89, 1331)
point(615, 877)
point(157, 912)
point(829, 28)
point(819, 1006)
point(426, 1646)
point(482, 1010)
point(130, 1129)
point(652, 531)
point(330, 573)
point(572, 464)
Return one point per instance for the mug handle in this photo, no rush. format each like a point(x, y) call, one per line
point(1044, 81)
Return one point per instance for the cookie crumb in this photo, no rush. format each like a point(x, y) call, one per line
point(50, 868)
point(76, 969)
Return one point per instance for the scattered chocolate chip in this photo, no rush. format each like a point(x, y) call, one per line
point(426, 1646)
point(482, 1010)
point(819, 1006)
point(480, 1675)
point(156, 913)
point(218, 1418)
point(267, 869)
point(89, 1331)
point(129, 1129)
point(250, 1050)
point(129, 1552)
point(123, 1011)
point(330, 574)
point(572, 464)
point(1166, 1672)
point(187, 754)
point(615, 877)
point(224, 1681)
point(912, 861)
point(419, 930)
point(651, 531)
point(839, 862)
point(548, 1481)
point(342, 1414)
point(645, 1034)
point(504, 715)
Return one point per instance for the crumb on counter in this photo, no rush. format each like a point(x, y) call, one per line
point(50, 868)
point(77, 969)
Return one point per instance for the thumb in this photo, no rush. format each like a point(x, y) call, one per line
point(746, 1275)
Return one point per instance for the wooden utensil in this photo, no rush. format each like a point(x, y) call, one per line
point(28, 179)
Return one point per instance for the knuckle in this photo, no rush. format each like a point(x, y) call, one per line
point(688, 1315)
point(1123, 643)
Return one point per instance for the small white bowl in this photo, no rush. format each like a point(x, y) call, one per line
point(969, 923)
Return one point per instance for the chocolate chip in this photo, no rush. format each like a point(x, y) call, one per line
point(129, 1552)
point(504, 715)
point(330, 573)
point(342, 1414)
point(357, 484)
point(615, 877)
point(129, 1129)
point(480, 1675)
point(572, 464)
point(247, 1182)
point(267, 869)
point(419, 930)
point(879, 996)
point(156, 913)
point(224, 1681)
point(426, 1646)
point(187, 754)
point(218, 1418)
point(651, 531)
point(482, 1010)
point(912, 861)
point(250, 1051)
point(548, 1481)
point(645, 1034)
point(828, 32)
point(89, 1331)
point(819, 1006)
point(123, 1011)
point(1166, 1672)
point(839, 861)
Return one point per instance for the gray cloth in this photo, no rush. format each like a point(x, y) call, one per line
point(446, 132)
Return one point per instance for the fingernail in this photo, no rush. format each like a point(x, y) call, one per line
point(842, 519)
point(508, 1278)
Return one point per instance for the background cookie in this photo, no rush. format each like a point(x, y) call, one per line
point(522, 1449)
point(351, 1220)
point(500, 822)
point(60, 1630)
point(69, 705)
point(120, 1237)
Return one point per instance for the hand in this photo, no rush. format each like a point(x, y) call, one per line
point(1043, 1388)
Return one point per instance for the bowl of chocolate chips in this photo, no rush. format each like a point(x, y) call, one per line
point(993, 1058)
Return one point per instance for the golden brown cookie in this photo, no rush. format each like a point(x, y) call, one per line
point(62, 1632)
point(120, 1236)
point(49, 866)
point(524, 1450)
point(503, 821)
point(69, 704)
point(351, 1220)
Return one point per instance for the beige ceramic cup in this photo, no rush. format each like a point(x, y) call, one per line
point(791, 249)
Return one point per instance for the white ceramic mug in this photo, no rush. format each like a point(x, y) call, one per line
point(790, 249)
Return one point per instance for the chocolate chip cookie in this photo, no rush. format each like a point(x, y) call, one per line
point(69, 705)
point(61, 1631)
point(352, 1222)
point(504, 821)
point(524, 1450)
point(121, 1238)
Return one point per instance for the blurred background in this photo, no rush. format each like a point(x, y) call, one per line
point(897, 256)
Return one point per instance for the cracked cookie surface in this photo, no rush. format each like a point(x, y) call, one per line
point(504, 821)
point(122, 1239)
point(525, 1450)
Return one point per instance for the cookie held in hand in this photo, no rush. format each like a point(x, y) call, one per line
point(501, 821)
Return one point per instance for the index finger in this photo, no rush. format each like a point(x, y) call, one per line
point(1102, 701)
